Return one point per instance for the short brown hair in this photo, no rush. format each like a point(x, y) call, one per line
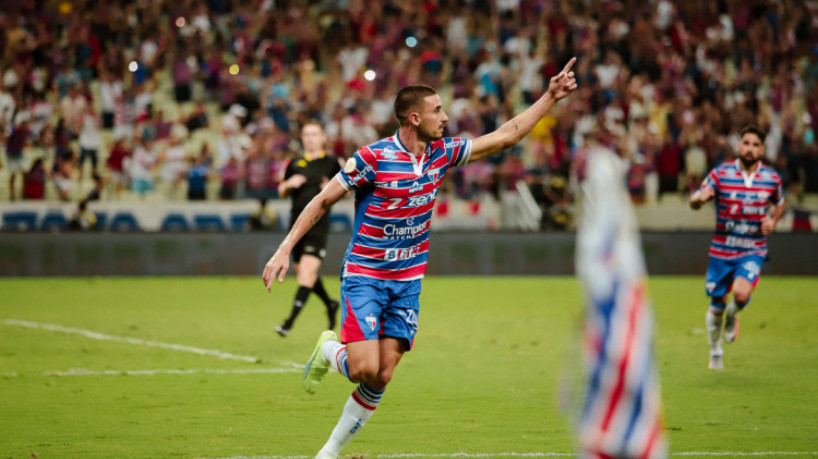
point(410, 98)
point(752, 129)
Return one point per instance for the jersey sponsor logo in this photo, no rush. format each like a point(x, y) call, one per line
point(392, 231)
point(733, 241)
point(411, 201)
point(360, 175)
point(350, 166)
point(389, 153)
point(452, 144)
point(740, 227)
point(401, 254)
point(416, 186)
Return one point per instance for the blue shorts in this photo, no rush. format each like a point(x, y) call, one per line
point(374, 308)
point(721, 273)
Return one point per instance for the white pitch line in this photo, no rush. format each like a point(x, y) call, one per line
point(124, 339)
point(171, 371)
point(512, 454)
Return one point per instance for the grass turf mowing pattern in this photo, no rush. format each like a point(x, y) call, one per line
point(483, 377)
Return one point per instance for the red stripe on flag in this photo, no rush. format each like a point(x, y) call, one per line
point(633, 308)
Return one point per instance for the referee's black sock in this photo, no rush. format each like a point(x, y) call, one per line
point(319, 290)
point(300, 298)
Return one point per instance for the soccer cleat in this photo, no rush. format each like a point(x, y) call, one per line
point(284, 332)
point(715, 363)
point(730, 327)
point(317, 367)
point(332, 313)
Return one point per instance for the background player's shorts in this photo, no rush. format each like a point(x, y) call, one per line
point(721, 273)
point(374, 308)
point(313, 243)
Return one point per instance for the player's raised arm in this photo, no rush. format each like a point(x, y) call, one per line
point(279, 263)
point(518, 127)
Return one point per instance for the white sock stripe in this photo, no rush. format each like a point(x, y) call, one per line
point(124, 339)
point(367, 395)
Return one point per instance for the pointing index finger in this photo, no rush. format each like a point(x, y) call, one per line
point(569, 65)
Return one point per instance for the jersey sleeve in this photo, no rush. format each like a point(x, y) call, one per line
point(359, 170)
point(711, 182)
point(457, 150)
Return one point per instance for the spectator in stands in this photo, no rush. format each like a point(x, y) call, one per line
point(116, 162)
point(197, 176)
point(90, 139)
point(34, 181)
point(231, 173)
point(15, 144)
point(142, 166)
point(174, 162)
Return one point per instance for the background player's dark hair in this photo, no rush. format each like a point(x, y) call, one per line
point(312, 121)
point(752, 129)
point(410, 98)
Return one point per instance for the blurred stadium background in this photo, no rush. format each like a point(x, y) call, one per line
point(193, 107)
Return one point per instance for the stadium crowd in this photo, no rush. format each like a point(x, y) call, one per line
point(204, 99)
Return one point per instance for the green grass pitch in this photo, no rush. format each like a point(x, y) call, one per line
point(494, 361)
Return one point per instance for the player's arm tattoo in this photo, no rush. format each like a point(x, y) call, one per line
point(516, 128)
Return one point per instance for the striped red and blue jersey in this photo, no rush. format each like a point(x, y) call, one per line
point(394, 199)
point(742, 201)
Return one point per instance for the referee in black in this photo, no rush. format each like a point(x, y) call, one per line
point(304, 178)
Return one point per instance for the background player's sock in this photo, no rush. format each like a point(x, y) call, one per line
point(359, 408)
point(336, 354)
point(713, 322)
point(319, 290)
point(300, 298)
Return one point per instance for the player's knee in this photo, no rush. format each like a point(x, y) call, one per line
point(741, 297)
point(384, 376)
point(363, 372)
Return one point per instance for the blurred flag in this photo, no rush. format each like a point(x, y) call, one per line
point(622, 412)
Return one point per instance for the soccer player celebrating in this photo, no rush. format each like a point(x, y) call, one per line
point(744, 189)
point(303, 179)
point(395, 182)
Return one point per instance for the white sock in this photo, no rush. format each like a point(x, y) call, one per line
point(336, 354)
point(731, 309)
point(359, 408)
point(713, 323)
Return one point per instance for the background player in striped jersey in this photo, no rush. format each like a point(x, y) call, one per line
point(395, 182)
point(303, 179)
point(744, 190)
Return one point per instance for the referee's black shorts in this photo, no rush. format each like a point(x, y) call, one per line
point(313, 243)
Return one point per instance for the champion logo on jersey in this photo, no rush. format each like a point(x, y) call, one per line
point(371, 321)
